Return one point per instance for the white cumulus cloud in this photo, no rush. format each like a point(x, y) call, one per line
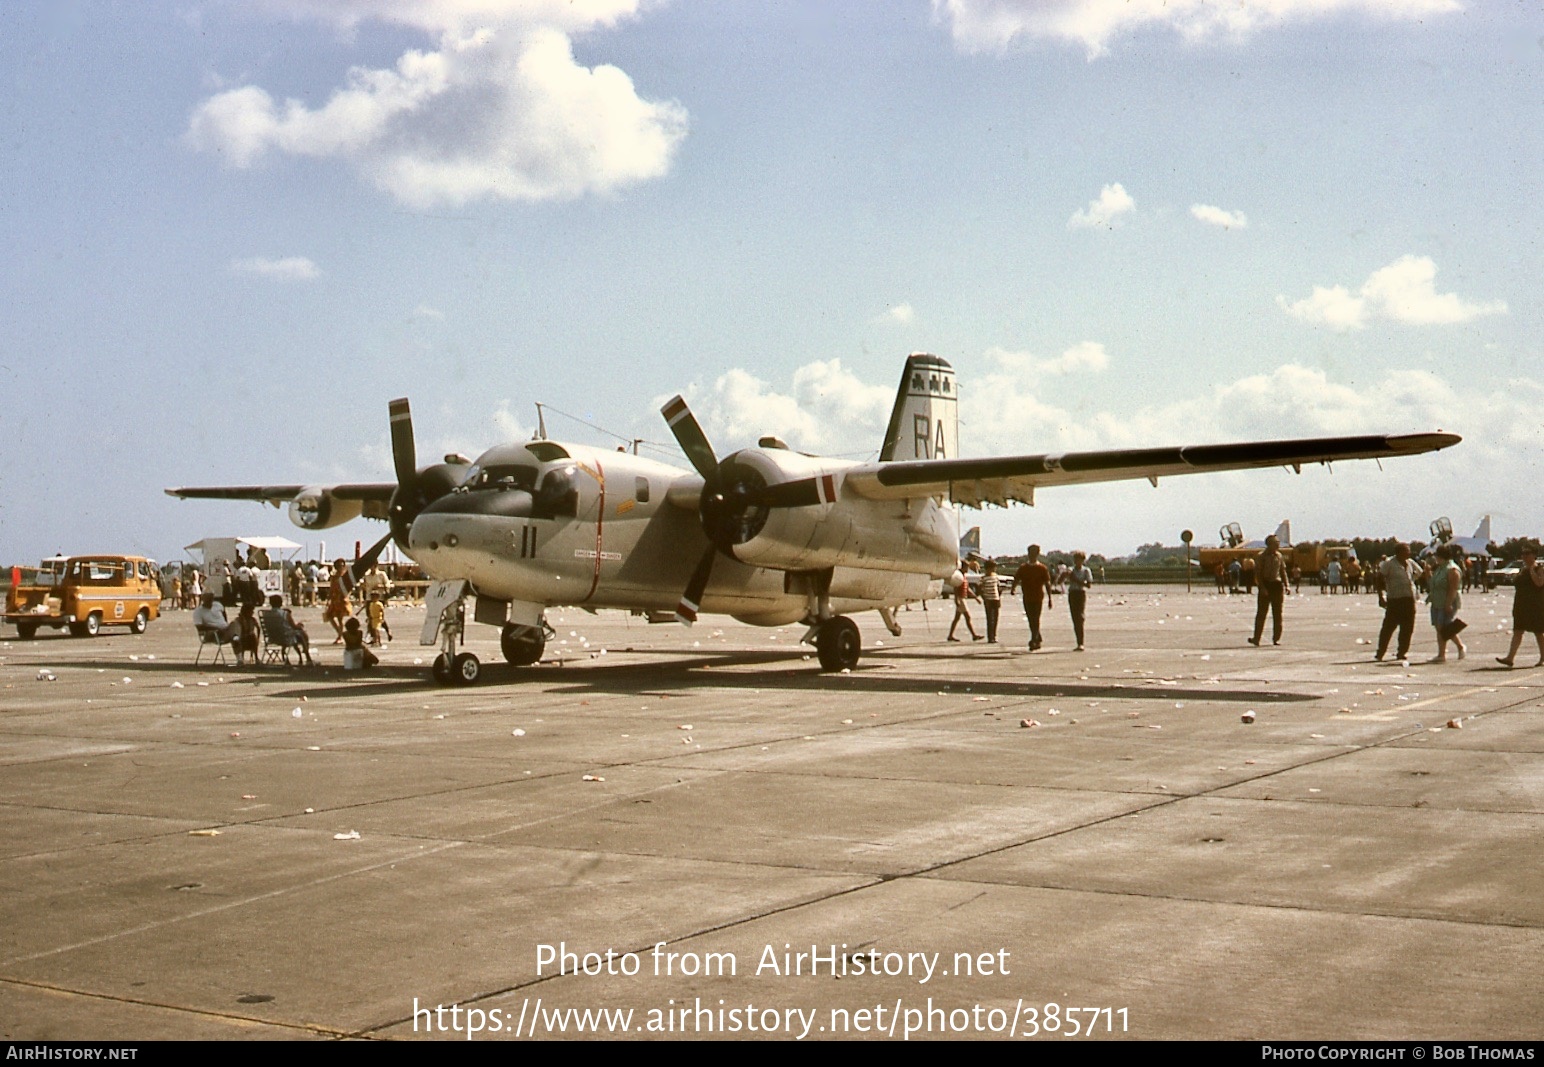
point(287, 269)
point(1083, 356)
point(1104, 212)
point(499, 109)
point(994, 25)
point(904, 314)
point(827, 409)
point(1404, 291)
point(1216, 216)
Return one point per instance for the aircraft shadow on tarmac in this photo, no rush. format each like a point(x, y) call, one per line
point(738, 670)
point(780, 671)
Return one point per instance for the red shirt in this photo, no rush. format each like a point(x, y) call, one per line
point(1033, 580)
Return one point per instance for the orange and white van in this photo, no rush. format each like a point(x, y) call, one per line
point(85, 594)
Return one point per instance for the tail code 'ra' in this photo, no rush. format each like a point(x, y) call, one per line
point(924, 424)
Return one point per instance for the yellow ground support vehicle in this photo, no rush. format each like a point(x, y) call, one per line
point(85, 594)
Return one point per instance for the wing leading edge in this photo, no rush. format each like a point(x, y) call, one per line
point(1004, 479)
point(283, 494)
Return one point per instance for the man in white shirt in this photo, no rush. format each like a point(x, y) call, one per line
point(1399, 573)
point(210, 615)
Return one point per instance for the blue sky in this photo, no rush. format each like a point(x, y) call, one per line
point(233, 232)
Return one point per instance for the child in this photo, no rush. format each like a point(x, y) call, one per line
point(354, 641)
point(375, 611)
point(247, 634)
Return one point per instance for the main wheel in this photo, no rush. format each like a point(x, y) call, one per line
point(441, 669)
point(141, 621)
point(466, 669)
point(522, 645)
point(838, 644)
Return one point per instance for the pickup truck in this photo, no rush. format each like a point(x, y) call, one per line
point(84, 593)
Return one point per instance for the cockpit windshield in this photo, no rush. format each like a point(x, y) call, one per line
point(502, 476)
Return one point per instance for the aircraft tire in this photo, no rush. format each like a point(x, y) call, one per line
point(522, 645)
point(441, 669)
point(466, 669)
point(839, 644)
point(141, 621)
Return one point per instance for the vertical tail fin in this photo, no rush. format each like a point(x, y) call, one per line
point(970, 544)
point(1284, 532)
point(1483, 533)
point(924, 424)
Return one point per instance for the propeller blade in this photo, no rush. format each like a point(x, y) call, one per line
point(357, 569)
point(803, 493)
point(403, 453)
point(690, 437)
point(691, 600)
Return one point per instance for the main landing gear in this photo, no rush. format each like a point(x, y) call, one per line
point(835, 637)
point(523, 645)
point(837, 643)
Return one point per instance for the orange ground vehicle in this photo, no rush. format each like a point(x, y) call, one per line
point(86, 594)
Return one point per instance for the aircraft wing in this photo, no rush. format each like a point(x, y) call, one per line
point(283, 494)
point(1004, 479)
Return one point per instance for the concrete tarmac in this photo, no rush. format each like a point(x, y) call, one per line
point(732, 844)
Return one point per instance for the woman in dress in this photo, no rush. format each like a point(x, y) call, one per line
point(1442, 593)
point(338, 609)
point(1527, 608)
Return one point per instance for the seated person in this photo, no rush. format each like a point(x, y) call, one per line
point(354, 641)
point(210, 615)
point(248, 635)
point(285, 630)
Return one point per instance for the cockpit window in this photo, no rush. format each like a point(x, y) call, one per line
point(502, 477)
point(558, 496)
point(547, 451)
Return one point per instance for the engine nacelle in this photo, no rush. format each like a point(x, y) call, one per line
point(851, 532)
point(315, 508)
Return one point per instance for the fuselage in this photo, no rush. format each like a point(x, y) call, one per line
point(553, 524)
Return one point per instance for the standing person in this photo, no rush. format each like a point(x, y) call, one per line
point(1078, 581)
point(1442, 593)
point(1399, 573)
point(1527, 608)
point(375, 616)
point(962, 593)
point(1033, 580)
point(1271, 580)
point(991, 594)
point(338, 608)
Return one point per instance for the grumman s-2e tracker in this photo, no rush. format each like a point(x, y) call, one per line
point(768, 535)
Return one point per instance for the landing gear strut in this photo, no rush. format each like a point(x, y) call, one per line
point(451, 667)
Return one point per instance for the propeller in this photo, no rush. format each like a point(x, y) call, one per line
point(735, 500)
point(416, 489)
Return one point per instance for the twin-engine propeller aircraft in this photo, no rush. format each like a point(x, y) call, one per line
point(767, 535)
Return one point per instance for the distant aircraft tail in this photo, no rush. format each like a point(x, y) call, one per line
point(1482, 535)
point(970, 544)
point(1284, 532)
point(924, 424)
